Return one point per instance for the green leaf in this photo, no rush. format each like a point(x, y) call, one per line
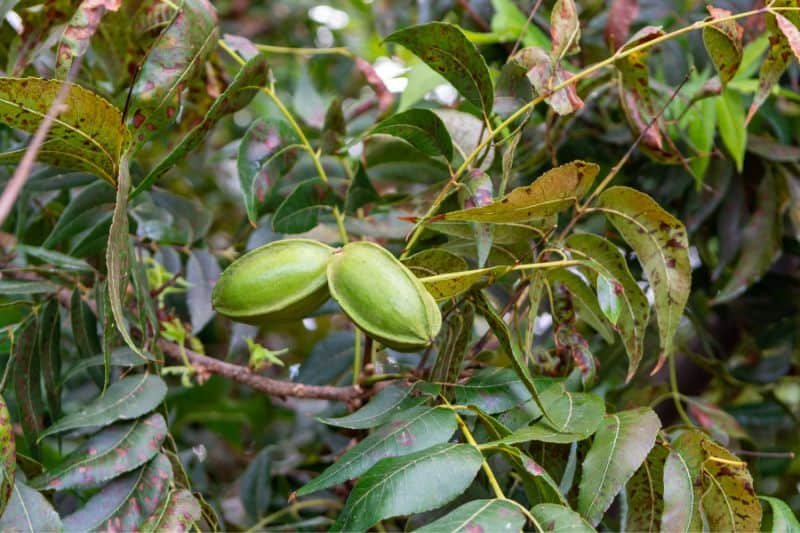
point(173, 60)
point(28, 510)
point(416, 429)
point(78, 32)
point(27, 381)
point(177, 512)
point(701, 125)
point(565, 29)
point(760, 241)
point(118, 258)
point(782, 519)
point(63, 262)
point(662, 248)
point(8, 459)
point(385, 405)
point(554, 191)
point(245, 85)
point(455, 338)
point(255, 488)
point(9, 287)
point(437, 475)
point(723, 42)
point(125, 399)
point(510, 23)
point(618, 450)
point(122, 356)
point(575, 416)
point(446, 49)
point(608, 299)
point(511, 346)
point(84, 326)
point(538, 483)
point(606, 259)
point(84, 211)
point(681, 495)
point(636, 100)
point(645, 493)
point(267, 151)
point(584, 300)
point(422, 128)
point(360, 192)
point(300, 211)
point(493, 390)
point(334, 128)
point(113, 451)
point(558, 518)
point(88, 135)
point(50, 355)
point(479, 515)
point(732, 128)
point(125, 503)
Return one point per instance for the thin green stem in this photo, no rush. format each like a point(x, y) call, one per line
point(676, 394)
point(315, 159)
point(498, 492)
point(304, 51)
point(357, 357)
point(585, 73)
point(294, 508)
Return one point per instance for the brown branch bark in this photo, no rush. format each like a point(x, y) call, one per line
point(238, 373)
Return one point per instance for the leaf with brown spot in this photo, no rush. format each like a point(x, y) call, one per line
point(723, 42)
point(544, 77)
point(645, 492)
point(662, 248)
point(729, 501)
point(554, 191)
point(636, 100)
point(87, 135)
point(446, 49)
point(791, 32)
point(773, 67)
point(173, 60)
point(245, 85)
point(79, 31)
point(177, 513)
point(409, 431)
point(125, 503)
point(565, 29)
point(107, 454)
point(8, 459)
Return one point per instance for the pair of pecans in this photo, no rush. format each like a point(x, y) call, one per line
point(289, 279)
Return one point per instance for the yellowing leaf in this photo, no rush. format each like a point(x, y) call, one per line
point(723, 43)
point(553, 191)
point(87, 135)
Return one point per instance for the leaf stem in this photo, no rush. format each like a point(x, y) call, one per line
point(585, 73)
point(676, 394)
point(500, 271)
point(357, 356)
point(300, 134)
point(304, 51)
point(498, 492)
point(293, 509)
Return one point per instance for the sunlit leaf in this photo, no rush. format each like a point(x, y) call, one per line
point(729, 501)
point(618, 450)
point(552, 192)
point(409, 431)
point(125, 399)
point(111, 452)
point(446, 49)
point(478, 515)
point(662, 248)
point(87, 135)
point(732, 129)
point(511, 23)
point(438, 475)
